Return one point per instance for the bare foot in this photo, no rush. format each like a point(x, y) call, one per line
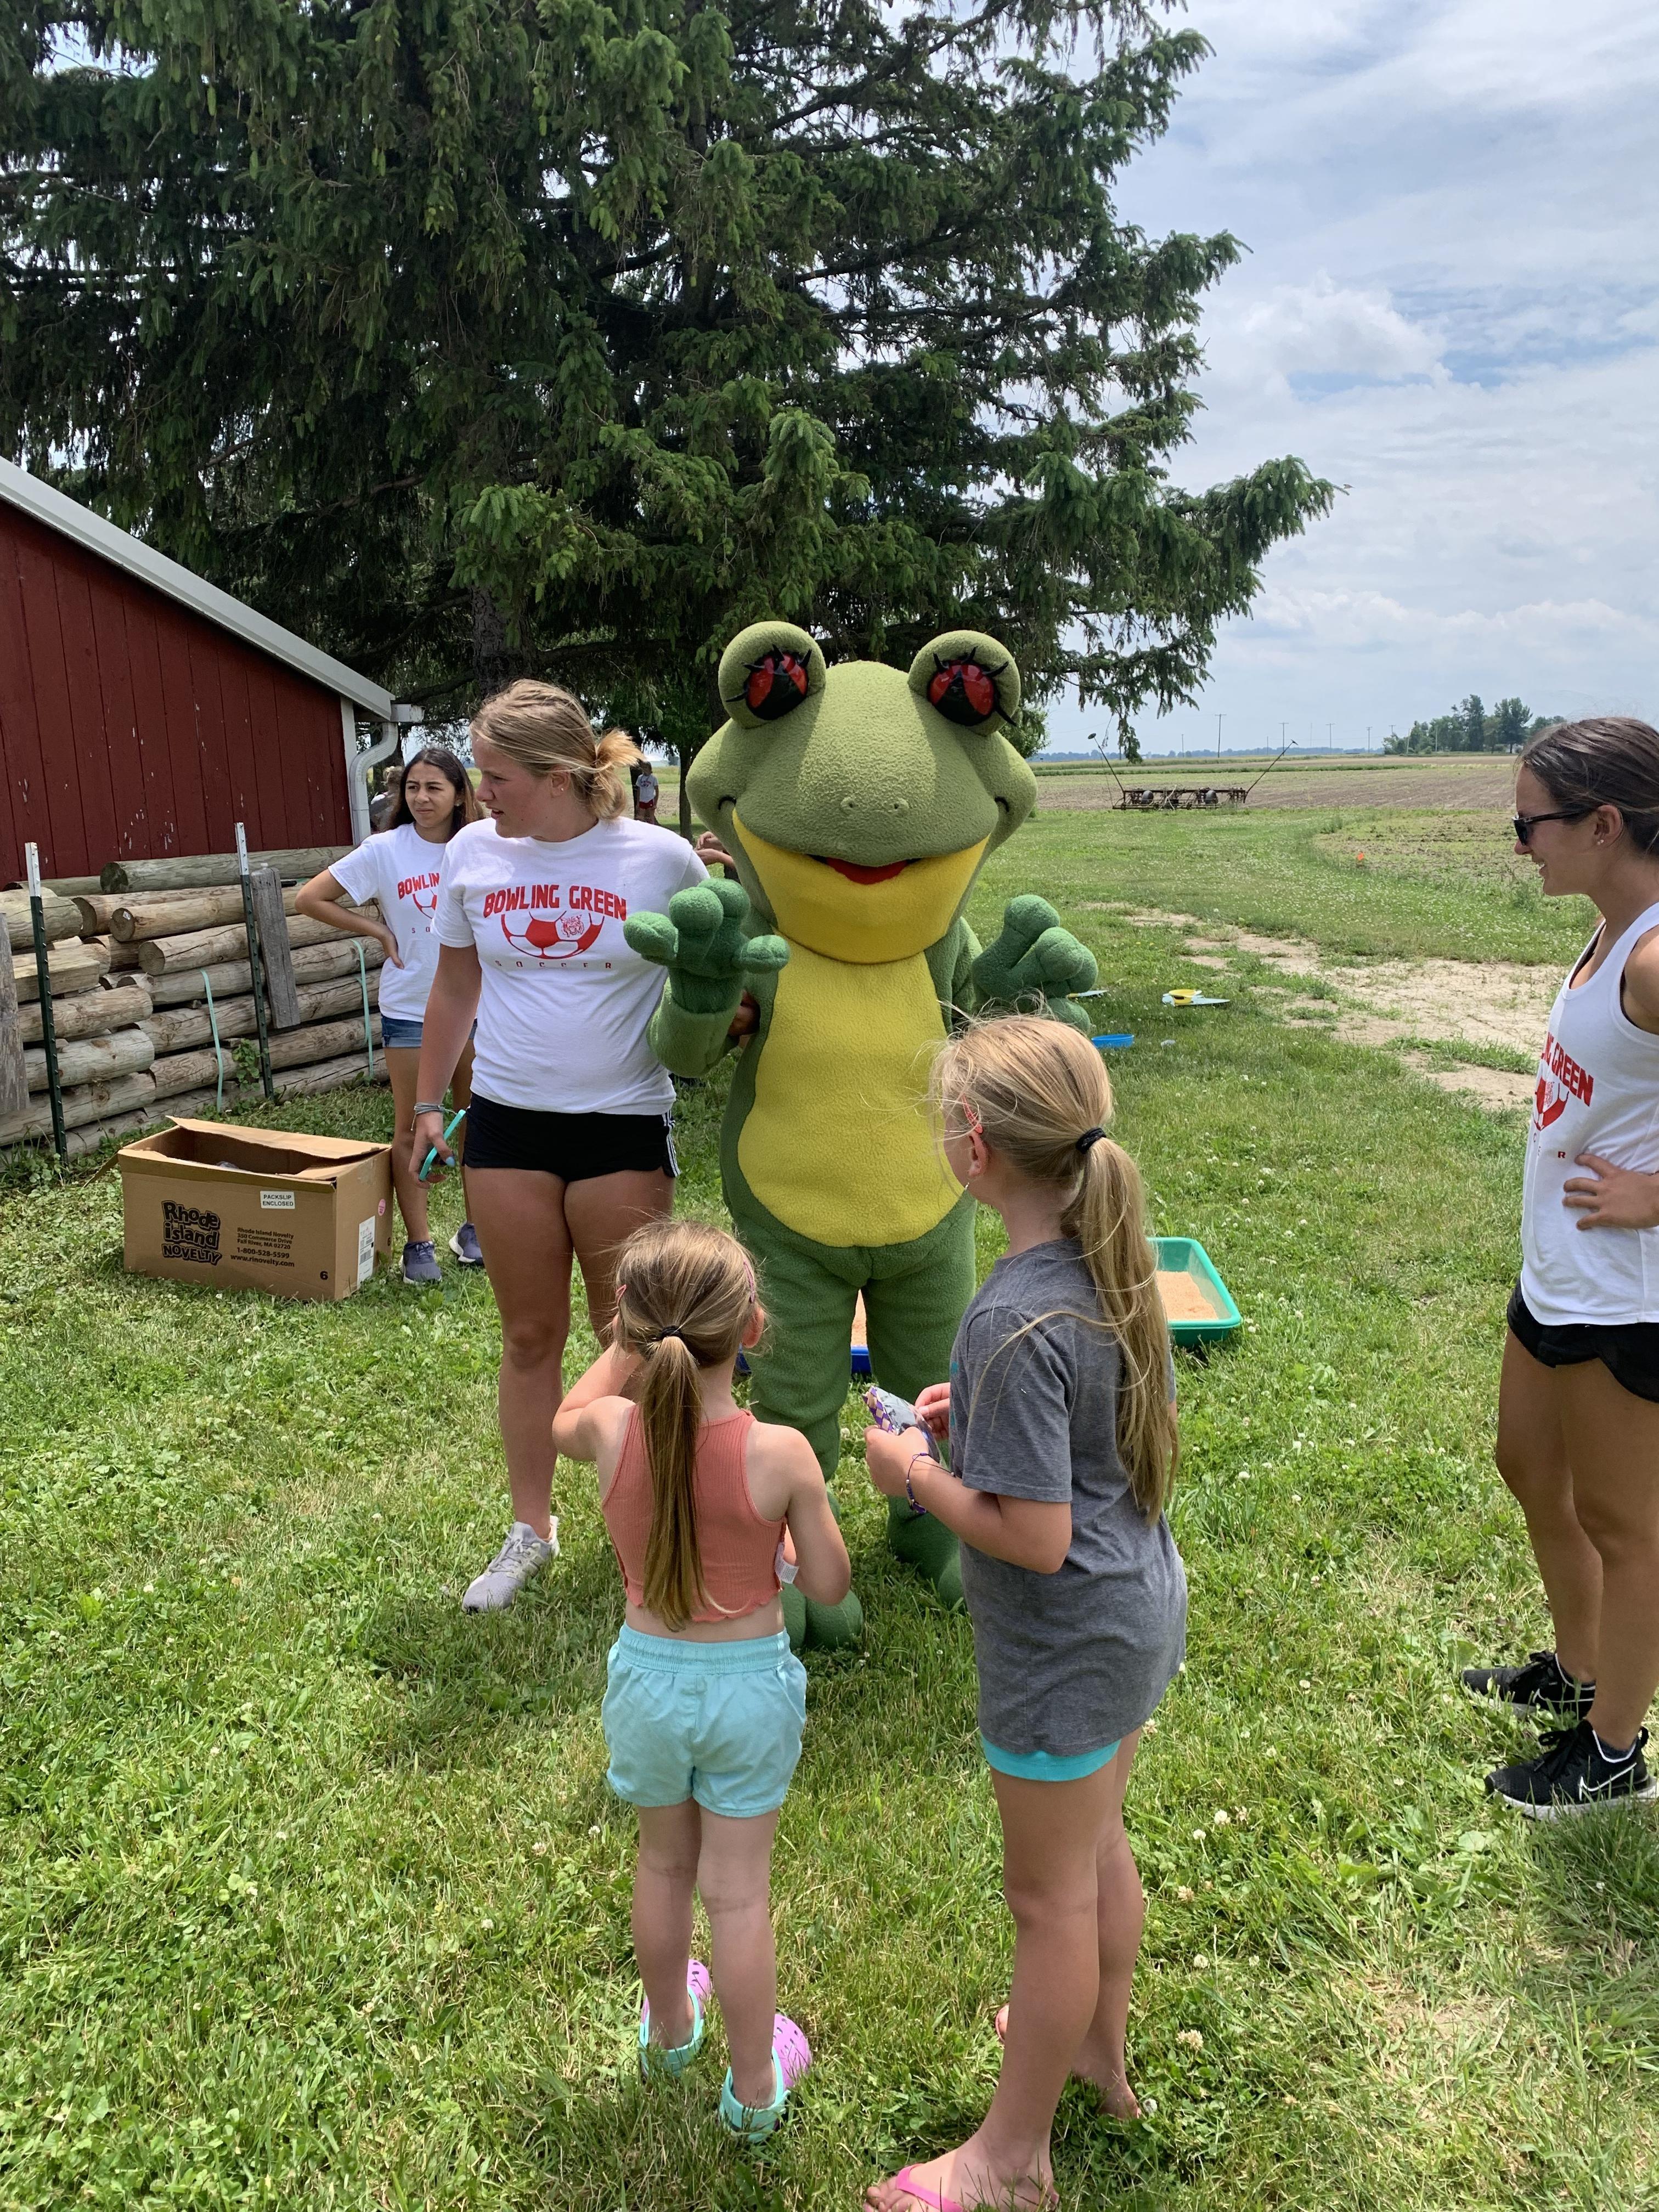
point(1112, 2081)
point(961, 2182)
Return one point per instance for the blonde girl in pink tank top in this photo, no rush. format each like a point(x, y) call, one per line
point(705, 1702)
point(1578, 1405)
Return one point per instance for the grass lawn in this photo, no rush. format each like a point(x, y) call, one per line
point(311, 1890)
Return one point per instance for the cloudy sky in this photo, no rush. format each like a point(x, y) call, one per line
point(1449, 304)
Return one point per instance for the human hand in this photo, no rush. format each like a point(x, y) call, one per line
point(710, 851)
point(890, 1458)
point(700, 940)
point(933, 1404)
point(746, 1020)
point(1033, 965)
point(1612, 1197)
point(427, 1134)
point(389, 946)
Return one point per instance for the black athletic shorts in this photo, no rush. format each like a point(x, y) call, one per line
point(1630, 1353)
point(575, 1148)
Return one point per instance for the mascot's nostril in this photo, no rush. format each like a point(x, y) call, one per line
point(899, 807)
point(849, 805)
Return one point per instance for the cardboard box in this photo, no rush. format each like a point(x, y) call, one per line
point(256, 1210)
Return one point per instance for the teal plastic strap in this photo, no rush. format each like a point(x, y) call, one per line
point(218, 1049)
point(368, 1033)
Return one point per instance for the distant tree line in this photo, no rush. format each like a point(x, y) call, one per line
point(1470, 729)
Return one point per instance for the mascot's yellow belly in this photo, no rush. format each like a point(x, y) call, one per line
point(837, 1144)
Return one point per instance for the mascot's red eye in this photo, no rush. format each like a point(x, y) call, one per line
point(963, 692)
point(775, 684)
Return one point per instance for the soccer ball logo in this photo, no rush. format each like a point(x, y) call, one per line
point(551, 937)
point(425, 902)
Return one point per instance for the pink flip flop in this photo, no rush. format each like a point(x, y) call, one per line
point(921, 2192)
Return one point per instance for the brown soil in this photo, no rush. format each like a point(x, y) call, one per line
point(1483, 779)
point(1185, 1298)
point(1500, 1002)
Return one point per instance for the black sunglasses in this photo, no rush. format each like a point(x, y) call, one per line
point(1524, 824)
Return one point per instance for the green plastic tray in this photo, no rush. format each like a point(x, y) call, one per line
point(1185, 1256)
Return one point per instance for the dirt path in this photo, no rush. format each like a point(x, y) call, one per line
point(1382, 1002)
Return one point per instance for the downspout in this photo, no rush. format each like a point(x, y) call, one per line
point(361, 760)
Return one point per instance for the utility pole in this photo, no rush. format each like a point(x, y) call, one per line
point(1368, 737)
point(1217, 737)
point(1282, 728)
point(1329, 730)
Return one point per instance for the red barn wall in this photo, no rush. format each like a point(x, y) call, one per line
point(133, 729)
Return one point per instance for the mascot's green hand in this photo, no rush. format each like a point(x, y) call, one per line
point(1033, 965)
point(700, 942)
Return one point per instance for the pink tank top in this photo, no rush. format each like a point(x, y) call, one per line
point(738, 1550)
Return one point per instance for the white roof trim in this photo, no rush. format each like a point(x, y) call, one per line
point(19, 489)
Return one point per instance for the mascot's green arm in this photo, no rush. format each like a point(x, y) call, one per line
point(708, 944)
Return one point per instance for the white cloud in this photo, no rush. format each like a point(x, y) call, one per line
point(1449, 306)
point(1323, 329)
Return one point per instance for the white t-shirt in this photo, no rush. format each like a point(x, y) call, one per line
point(646, 789)
point(566, 1002)
point(400, 869)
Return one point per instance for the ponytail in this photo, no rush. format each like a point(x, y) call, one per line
point(685, 1300)
point(671, 1410)
point(1039, 1094)
point(1108, 1217)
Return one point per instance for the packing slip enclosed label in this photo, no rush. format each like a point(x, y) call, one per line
point(277, 1201)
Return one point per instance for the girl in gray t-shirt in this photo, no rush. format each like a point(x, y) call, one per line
point(1061, 1416)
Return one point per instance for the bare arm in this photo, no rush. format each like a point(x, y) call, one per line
point(320, 900)
point(450, 1008)
point(1026, 1532)
point(577, 1435)
point(821, 1565)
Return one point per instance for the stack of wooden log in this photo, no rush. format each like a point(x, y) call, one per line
point(147, 973)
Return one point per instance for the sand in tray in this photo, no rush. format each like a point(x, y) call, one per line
point(1185, 1298)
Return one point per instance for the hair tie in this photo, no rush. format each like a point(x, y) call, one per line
point(1089, 1138)
point(663, 1334)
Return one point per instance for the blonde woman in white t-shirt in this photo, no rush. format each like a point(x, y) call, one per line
point(1578, 1405)
point(569, 1145)
point(398, 868)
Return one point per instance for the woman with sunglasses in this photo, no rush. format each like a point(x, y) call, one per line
point(1578, 1405)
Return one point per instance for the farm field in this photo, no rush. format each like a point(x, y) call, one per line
point(311, 1889)
point(1470, 780)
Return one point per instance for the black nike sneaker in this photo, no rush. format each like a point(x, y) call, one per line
point(1543, 1683)
point(1574, 1777)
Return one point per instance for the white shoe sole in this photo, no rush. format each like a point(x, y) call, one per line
point(455, 1246)
point(1569, 1807)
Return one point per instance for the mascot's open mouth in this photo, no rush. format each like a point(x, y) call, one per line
point(855, 874)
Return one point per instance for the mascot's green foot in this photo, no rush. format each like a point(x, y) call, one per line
point(821, 1627)
point(923, 1542)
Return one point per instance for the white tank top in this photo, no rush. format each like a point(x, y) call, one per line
point(1598, 1091)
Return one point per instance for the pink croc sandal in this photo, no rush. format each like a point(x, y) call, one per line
point(791, 2057)
point(654, 2058)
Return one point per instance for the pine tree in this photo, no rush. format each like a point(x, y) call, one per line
point(498, 335)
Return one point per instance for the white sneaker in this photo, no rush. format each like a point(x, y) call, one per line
point(524, 1553)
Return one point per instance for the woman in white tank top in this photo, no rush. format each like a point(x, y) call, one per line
point(1578, 1407)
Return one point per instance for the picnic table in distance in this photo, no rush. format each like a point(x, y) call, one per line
point(1171, 796)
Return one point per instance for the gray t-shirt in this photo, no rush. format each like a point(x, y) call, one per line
point(1069, 1662)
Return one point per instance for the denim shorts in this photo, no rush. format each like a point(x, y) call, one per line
point(720, 1722)
point(401, 1035)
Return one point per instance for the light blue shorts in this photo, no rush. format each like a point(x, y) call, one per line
point(1044, 1766)
point(720, 1722)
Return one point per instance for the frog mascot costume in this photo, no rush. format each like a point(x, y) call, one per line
point(859, 804)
